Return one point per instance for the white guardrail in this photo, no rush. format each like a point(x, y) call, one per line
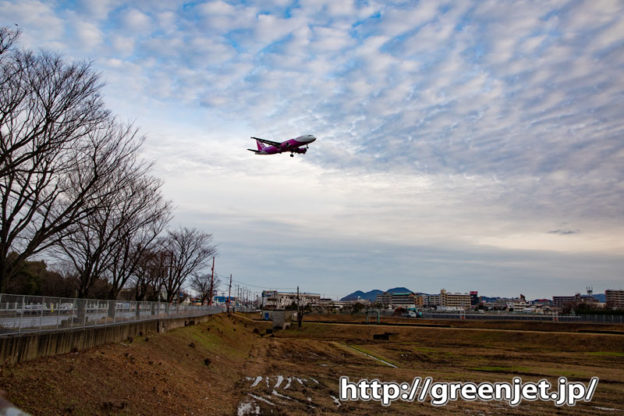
point(22, 313)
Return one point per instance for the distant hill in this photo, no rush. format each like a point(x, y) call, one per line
point(398, 290)
point(358, 294)
point(600, 297)
point(372, 295)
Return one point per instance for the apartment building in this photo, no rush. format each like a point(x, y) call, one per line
point(396, 299)
point(454, 300)
point(615, 299)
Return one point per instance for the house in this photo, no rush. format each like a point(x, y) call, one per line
point(272, 299)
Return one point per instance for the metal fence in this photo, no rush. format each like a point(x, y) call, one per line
point(502, 316)
point(21, 313)
point(506, 316)
point(547, 317)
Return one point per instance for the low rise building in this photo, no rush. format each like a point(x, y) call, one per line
point(432, 300)
point(615, 299)
point(447, 300)
point(542, 302)
point(419, 300)
point(518, 304)
point(474, 298)
point(454, 300)
point(588, 299)
point(272, 299)
point(396, 299)
point(325, 302)
point(563, 301)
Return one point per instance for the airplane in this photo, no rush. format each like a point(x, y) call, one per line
point(267, 147)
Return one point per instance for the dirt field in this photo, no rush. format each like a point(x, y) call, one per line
point(229, 366)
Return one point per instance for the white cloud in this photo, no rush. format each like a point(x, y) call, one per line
point(98, 9)
point(613, 35)
point(167, 21)
point(88, 34)
point(217, 8)
point(136, 22)
point(591, 15)
point(269, 28)
point(39, 24)
point(220, 17)
point(492, 122)
point(330, 40)
point(123, 45)
point(398, 20)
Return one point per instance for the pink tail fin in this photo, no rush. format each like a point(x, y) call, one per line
point(260, 144)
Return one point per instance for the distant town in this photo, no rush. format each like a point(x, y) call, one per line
point(404, 299)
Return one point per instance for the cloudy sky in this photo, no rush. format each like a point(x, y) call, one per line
point(461, 145)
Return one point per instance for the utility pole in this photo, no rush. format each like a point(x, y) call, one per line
point(229, 293)
point(299, 310)
point(211, 283)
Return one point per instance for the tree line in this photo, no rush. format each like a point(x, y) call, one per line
point(74, 188)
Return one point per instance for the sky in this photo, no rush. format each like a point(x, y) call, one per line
point(465, 145)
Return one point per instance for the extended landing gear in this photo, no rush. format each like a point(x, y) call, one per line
point(292, 155)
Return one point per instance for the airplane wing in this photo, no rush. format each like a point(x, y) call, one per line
point(269, 142)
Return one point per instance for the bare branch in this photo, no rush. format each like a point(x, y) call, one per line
point(122, 216)
point(7, 38)
point(187, 251)
point(58, 149)
point(204, 285)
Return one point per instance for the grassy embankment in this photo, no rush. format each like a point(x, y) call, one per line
point(226, 366)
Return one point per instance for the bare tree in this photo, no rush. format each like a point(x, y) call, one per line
point(7, 38)
point(112, 241)
point(187, 251)
point(145, 215)
point(91, 241)
point(205, 285)
point(55, 152)
point(149, 275)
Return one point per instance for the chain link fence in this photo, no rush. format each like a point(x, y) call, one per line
point(547, 317)
point(22, 313)
point(506, 316)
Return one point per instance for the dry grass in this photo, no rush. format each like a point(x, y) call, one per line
point(297, 370)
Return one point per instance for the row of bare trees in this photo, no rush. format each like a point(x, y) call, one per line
point(180, 255)
point(73, 185)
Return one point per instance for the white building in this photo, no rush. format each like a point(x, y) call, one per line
point(448, 301)
point(272, 299)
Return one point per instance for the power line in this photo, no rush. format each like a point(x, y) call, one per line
point(265, 287)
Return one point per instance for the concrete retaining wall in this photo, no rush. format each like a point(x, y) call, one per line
point(25, 347)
